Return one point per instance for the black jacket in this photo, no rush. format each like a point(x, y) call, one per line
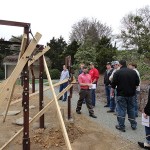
point(106, 77)
point(147, 107)
point(126, 81)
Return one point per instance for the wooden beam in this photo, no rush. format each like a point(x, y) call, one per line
point(37, 92)
point(23, 45)
point(36, 117)
point(37, 56)
point(14, 23)
point(57, 108)
point(22, 50)
point(16, 72)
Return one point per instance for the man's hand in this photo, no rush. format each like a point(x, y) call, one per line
point(112, 92)
point(145, 116)
point(90, 85)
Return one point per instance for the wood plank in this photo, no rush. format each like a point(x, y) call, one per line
point(37, 56)
point(23, 45)
point(19, 67)
point(57, 108)
point(22, 50)
point(36, 117)
point(37, 92)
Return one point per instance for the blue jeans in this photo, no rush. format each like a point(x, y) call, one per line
point(107, 90)
point(63, 86)
point(147, 131)
point(126, 104)
point(136, 103)
point(93, 97)
point(112, 103)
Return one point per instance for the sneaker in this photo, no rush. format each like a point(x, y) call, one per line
point(110, 111)
point(133, 128)
point(120, 128)
point(115, 114)
point(144, 145)
point(64, 100)
point(106, 106)
point(78, 111)
point(92, 115)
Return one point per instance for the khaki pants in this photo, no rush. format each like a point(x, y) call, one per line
point(85, 94)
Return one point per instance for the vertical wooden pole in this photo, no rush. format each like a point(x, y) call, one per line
point(68, 62)
point(41, 99)
point(58, 108)
point(25, 100)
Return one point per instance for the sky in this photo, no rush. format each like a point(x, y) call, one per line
point(55, 18)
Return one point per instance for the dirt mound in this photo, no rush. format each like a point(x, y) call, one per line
point(53, 137)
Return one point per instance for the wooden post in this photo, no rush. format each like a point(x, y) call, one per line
point(41, 99)
point(58, 108)
point(25, 101)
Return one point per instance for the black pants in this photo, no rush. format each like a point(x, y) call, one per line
point(85, 94)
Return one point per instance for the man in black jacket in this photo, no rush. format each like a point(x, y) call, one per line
point(107, 82)
point(125, 80)
point(146, 145)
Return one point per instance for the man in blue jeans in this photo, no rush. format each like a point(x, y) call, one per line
point(64, 75)
point(107, 82)
point(125, 80)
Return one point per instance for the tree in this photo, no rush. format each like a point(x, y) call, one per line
point(71, 50)
point(89, 29)
point(105, 52)
point(86, 53)
point(57, 47)
point(135, 31)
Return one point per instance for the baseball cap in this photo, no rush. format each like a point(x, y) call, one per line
point(108, 63)
point(116, 63)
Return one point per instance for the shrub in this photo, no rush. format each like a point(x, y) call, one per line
point(55, 74)
point(2, 74)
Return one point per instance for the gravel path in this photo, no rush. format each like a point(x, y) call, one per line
point(107, 120)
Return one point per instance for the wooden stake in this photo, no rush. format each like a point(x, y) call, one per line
point(57, 107)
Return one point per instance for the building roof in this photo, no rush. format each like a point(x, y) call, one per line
point(13, 59)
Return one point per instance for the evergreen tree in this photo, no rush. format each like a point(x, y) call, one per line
point(57, 47)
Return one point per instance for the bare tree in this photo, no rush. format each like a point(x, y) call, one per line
point(92, 29)
point(135, 30)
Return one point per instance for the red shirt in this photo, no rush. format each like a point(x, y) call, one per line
point(94, 74)
point(84, 78)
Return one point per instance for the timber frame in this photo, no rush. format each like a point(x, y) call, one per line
point(24, 61)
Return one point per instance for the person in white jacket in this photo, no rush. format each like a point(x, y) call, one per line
point(134, 67)
point(112, 98)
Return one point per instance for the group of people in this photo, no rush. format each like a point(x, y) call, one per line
point(122, 86)
point(121, 83)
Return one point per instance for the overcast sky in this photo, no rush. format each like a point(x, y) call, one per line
point(53, 18)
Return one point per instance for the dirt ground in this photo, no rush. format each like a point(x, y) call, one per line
point(83, 133)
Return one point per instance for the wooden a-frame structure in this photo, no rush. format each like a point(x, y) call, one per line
point(7, 87)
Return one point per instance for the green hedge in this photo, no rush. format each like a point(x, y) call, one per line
point(55, 73)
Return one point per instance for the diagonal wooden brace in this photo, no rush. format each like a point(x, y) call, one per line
point(19, 67)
